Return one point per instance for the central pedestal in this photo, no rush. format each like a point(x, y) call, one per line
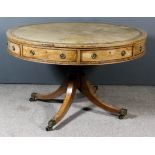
point(72, 83)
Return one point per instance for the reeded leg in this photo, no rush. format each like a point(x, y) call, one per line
point(71, 89)
point(45, 97)
point(87, 90)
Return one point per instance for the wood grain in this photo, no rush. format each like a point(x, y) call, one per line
point(49, 54)
point(71, 90)
point(106, 55)
point(87, 90)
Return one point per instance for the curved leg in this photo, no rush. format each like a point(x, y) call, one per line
point(45, 97)
point(88, 92)
point(71, 89)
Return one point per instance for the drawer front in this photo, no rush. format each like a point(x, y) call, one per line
point(139, 48)
point(106, 55)
point(49, 55)
point(14, 48)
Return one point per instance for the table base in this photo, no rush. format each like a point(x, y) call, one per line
point(74, 82)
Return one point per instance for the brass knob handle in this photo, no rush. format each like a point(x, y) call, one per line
point(13, 48)
point(32, 52)
point(62, 56)
point(93, 56)
point(123, 53)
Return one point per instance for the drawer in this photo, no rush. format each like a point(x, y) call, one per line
point(139, 48)
point(106, 55)
point(14, 48)
point(49, 55)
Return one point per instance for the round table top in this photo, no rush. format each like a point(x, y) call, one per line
point(76, 34)
point(75, 37)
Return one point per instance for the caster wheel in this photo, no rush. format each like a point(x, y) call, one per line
point(48, 128)
point(121, 116)
point(32, 99)
point(51, 123)
point(123, 113)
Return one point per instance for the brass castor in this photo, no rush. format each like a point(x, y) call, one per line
point(123, 113)
point(33, 97)
point(51, 123)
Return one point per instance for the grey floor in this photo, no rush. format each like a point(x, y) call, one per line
point(19, 117)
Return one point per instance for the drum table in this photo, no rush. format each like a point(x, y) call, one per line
point(76, 44)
